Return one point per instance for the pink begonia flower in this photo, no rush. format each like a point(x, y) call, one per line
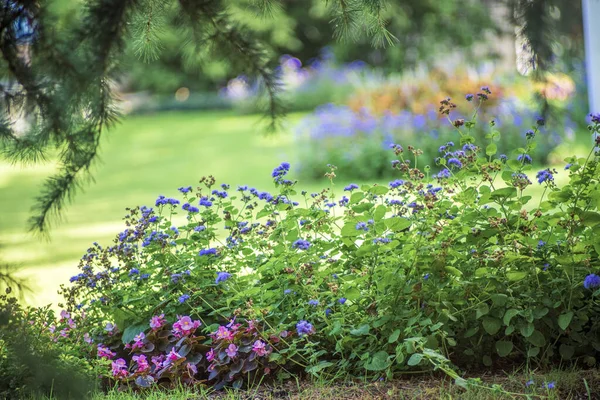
point(104, 352)
point(52, 328)
point(185, 326)
point(64, 332)
point(223, 334)
point(192, 369)
point(87, 338)
point(210, 355)
point(231, 350)
point(259, 348)
point(64, 315)
point(142, 363)
point(119, 368)
point(138, 341)
point(157, 322)
point(71, 324)
point(158, 360)
point(173, 355)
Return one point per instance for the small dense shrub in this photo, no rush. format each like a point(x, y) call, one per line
point(458, 267)
point(38, 359)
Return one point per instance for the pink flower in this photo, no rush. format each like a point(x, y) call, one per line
point(210, 355)
point(231, 350)
point(64, 332)
point(157, 322)
point(71, 324)
point(158, 360)
point(64, 315)
point(119, 368)
point(138, 341)
point(104, 352)
point(52, 328)
point(260, 348)
point(185, 326)
point(223, 334)
point(173, 355)
point(142, 363)
point(192, 369)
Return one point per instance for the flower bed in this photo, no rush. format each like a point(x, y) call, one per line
point(448, 270)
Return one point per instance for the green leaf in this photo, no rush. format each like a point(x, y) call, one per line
point(356, 197)
point(499, 300)
point(504, 347)
point(564, 320)
point(379, 362)
point(415, 359)
point(532, 352)
point(313, 369)
point(481, 310)
point(491, 325)
point(379, 190)
point(361, 330)
point(394, 336)
point(504, 193)
point(453, 271)
point(132, 331)
point(537, 339)
point(380, 212)
point(397, 224)
point(589, 218)
point(515, 276)
point(527, 330)
point(491, 149)
point(566, 351)
point(487, 361)
point(349, 229)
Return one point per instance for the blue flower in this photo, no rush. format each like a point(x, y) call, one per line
point(362, 226)
point(503, 158)
point(530, 134)
point(342, 300)
point(327, 312)
point(541, 244)
point(529, 383)
point(396, 183)
point(304, 328)
point(591, 281)
point(524, 158)
point(134, 271)
point(344, 201)
point(469, 97)
point(544, 176)
point(443, 174)
point(219, 194)
point(175, 230)
point(287, 291)
point(183, 298)
point(540, 121)
point(242, 188)
point(222, 277)
point(568, 166)
point(144, 276)
point(313, 303)
point(455, 162)
point(209, 251)
point(351, 187)
point(175, 278)
point(301, 244)
point(190, 208)
point(200, 228)
point(550, 385)
point(426, 276)
point(185, 189)
point(442, 149)
point(280, 171)
point(204, 201)
point(469, 147)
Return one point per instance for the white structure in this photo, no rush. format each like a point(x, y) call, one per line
point(591, 34)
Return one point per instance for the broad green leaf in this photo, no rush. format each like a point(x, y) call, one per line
point(527, 329)
point(361, 330)
point(508, 315)
point(453, 271)
point(504, 347)
point(316, 368)
point(532, 352)
point(537, 339)
point(481, 310)
point(397, 224)
point(499, 300)
point(504, 193)
point(491, 325)
point(379, 190)
point(491, 149)
point(132, 331)
point(394, 336)
point(379, 362)
point(415, 359)
point(487, 361)
point(564, 320)
point(515, 276)
point(566, 351)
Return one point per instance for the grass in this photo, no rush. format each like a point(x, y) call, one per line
point(570, 384)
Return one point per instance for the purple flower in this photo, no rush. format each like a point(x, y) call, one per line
point(443, 174)
point(183, 298)
point(591, 281)
point(544, 176)
point(287, 291)
point(301, 244)
point(362, 226)
point(455, 162)
point(426, 276)
point(524, 158)
point(313, 303)
point(540, 121)
point(327, 312)
point(204, 201)
point(396, 183)
point(530, 134)
point(503, 158)
point(469, 97)
point(186, 189)
point(529, 383)
point(209, 251)
point(342, 300)
point(199, 228)
point(550, 385)
point(568, 166)
point(260, 348)
point(222, 277)
point(231, 350)
point(304, 328)
point(351, 187)
point(190, 208)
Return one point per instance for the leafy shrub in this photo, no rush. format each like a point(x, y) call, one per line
point(356, 139)
point(31, 360)
point(457, 267)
